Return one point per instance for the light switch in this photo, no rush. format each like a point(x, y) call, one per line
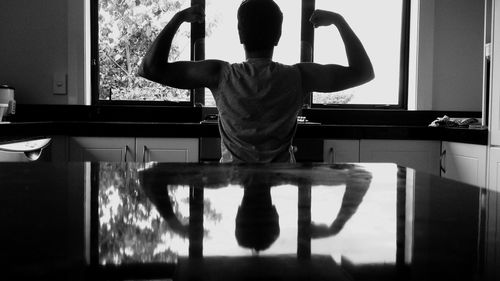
point(59, 83)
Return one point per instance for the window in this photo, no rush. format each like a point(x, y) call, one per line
point(124, 29)
point(384, 37)
point(222, 40)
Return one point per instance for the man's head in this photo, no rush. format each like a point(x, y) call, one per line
point(257, 227)
point(259, 24)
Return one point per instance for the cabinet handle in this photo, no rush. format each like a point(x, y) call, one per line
point(442, 161)
point(145, 150)
point(126, 152)
point(332, 155)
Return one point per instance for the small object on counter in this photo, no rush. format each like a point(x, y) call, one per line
point(31, 148)
point(7, 97)
point(446, 121)
point(478, 127)
point(210, 118)
point(466, 121)
point(441, 122)
point(3, 108)
point(301, 119)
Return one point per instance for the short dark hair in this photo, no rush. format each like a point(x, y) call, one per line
point(259, 24)
point(257, 228)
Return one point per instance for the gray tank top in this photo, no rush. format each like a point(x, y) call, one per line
point(258, 102)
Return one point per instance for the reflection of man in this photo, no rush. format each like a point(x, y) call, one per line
point(158, 195)
point(357, 183)
point(257, 221)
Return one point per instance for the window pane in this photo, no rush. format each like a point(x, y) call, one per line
point(126, 30)
point(380, 34)
point(222, 40)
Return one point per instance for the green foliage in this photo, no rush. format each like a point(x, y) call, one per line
point(343, 97)
point(130, 227)
point(126, 30)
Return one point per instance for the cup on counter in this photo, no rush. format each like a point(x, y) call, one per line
point(7, 96)
point(3, 108)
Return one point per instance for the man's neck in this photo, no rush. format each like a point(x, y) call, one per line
point(265, 54)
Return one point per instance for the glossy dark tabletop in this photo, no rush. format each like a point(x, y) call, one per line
point(133, 221)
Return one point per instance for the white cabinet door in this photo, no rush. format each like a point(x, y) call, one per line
point(108, 149)
point(167, 150)
point(492, 241)
point(494, 169)
point(341, 151)
point(419, 155)
point(464, 162)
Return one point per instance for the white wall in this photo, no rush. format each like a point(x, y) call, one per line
point(33, 46)
point(458, 52)
point(450, 66)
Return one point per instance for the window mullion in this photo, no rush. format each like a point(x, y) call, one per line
point(307, 39)
point(198, 51)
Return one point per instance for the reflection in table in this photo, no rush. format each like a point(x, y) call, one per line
point(222, 222)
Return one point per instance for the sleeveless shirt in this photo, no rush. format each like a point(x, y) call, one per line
point(258, 102)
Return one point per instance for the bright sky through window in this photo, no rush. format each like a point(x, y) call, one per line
point(222, 40)
point(127, 28)
point(380, 34)
point(381, 37)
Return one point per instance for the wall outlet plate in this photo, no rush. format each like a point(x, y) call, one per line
point(60, 83)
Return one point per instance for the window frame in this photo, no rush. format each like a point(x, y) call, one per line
point(197, 52)
point(403, 70)
point(196, 29)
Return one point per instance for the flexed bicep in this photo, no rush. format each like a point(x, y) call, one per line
point(189, 74)
point(156, 66)
point(186, 74)
point(327, 78)
point(334, 77)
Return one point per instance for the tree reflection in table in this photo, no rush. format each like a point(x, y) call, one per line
point(131, 230)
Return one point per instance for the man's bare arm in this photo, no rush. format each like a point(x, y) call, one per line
point(182, 74)
point(332, 77)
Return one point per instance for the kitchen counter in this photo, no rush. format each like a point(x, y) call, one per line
point(123, 221)
point(19, 130)
point(157, 121)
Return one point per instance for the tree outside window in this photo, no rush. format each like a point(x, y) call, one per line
point(126, 30)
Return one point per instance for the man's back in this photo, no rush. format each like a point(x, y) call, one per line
point(258, 103)
point(258, 100)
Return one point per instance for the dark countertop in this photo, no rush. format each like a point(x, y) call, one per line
point(123, 221)
point(20, 130)
point(141, 121)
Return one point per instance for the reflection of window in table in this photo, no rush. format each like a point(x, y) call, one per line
point(222, 40)
point(370, 235)
point(128, 227)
